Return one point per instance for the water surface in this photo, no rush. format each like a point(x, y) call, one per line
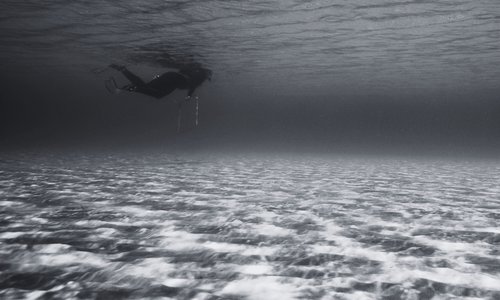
point(286, 47)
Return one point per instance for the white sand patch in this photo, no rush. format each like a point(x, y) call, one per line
point(73, 258)
point(124, 222)
point(255, 269)
point(106, 231)
point(349, 247)
point(14, 225)
point(91, 223)
point(206, 286)
point(447, 246)
point(444, 275)
point(52, 248)
point(224, 247)
point(138, 211)
point(241, 249)
point(268, 287)
point(6, 203)
point(268, 216)
point(156, 269)
point(177, 240)
point(178, 282)
point(357, 295)
point(488, 229)
point(262, 251)
point(11, 234)
point(202, 296)
point(34, 295)
point(39, 220)
point(192, 195)
point(269, 229)
point(235, 223)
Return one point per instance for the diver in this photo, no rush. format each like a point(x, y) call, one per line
point(188, 78)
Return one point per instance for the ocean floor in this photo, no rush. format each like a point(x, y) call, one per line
point(165, 227)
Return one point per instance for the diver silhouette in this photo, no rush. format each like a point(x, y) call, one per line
point(188, 78)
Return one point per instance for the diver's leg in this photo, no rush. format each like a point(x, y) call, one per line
point(150, 92)
point(130, 76)
point(145, 89)
point(133, 78)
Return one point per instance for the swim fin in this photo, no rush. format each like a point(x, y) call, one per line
point(111, 86)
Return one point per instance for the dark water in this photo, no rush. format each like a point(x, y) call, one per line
point(387, 71)
point(288, 47)
point(164, 227)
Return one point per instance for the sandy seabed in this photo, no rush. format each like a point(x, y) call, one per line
point(165, 227)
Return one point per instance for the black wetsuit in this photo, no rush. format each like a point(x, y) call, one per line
point(162, 85)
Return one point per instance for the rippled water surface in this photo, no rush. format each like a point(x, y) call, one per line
point(161, 227)
point(289, 46)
